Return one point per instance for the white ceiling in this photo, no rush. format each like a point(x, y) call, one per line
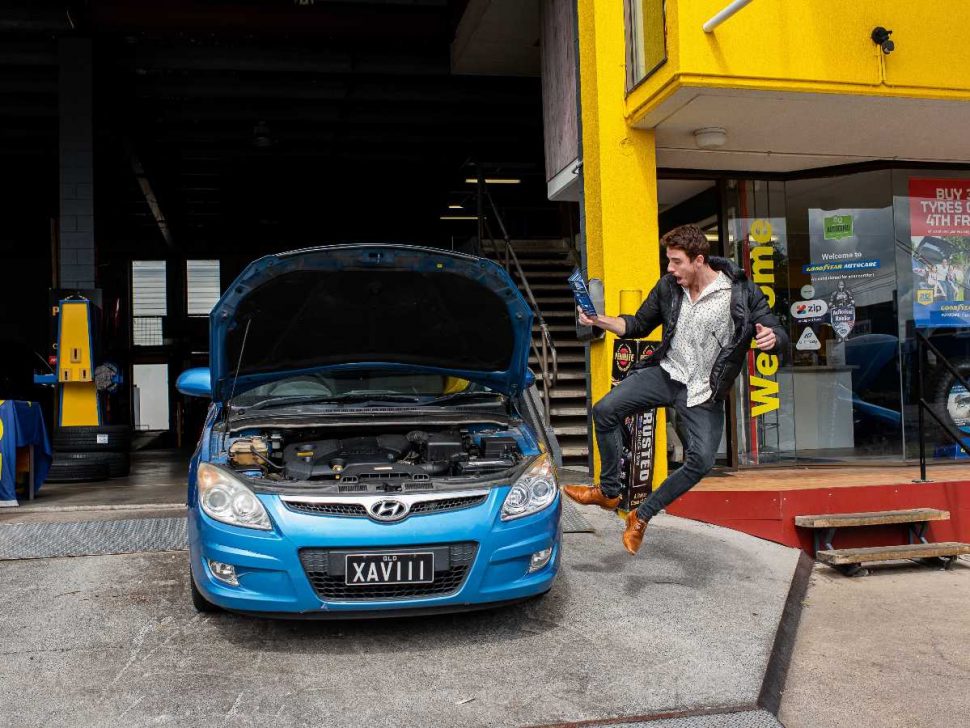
point(782, 132)
point(673, 191)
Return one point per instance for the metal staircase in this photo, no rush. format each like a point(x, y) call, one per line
point(542, 268)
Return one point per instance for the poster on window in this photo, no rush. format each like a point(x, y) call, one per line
point(939, 220)
point(851, 265)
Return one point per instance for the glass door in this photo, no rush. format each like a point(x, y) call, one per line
point(823, 253)
point(762, 410)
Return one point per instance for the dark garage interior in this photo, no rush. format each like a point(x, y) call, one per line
point(150, 151)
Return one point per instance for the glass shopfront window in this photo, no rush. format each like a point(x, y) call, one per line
point(762, 418)
point(852, 265)
point(931, 214)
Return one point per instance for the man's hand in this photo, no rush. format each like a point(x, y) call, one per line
point(585, 320)
point(764, 337)
point(608, 323)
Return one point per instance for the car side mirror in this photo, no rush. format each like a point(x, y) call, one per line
point(195, 382)
point(530, 379)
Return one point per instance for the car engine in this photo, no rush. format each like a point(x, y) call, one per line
point(410, 458)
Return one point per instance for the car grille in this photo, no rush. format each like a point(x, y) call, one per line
point(356, 510)
point(328, 509)
point(449, 504)
point(331, 587)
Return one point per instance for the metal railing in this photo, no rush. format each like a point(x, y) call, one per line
point(545, 352)
point(922, 342)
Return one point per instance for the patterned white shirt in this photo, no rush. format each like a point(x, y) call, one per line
point(704, 327)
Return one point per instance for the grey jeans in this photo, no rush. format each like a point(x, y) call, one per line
point(646, 389)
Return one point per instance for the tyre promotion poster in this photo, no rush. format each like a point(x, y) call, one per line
point(636, 457)
point(939, 221)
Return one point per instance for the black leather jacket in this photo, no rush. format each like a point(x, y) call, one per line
point(748, 307)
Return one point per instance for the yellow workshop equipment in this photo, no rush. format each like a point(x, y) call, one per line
point(75, 366)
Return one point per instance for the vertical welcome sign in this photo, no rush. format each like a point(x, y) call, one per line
point(762, 238)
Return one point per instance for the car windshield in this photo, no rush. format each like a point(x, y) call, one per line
point(357, 386)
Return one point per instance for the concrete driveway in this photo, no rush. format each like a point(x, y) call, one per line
point(689, 624)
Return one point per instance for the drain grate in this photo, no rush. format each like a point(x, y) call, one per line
point(739, 719)
point(91, 538)
point(572, 520)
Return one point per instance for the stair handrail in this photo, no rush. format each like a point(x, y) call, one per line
point(547, 349)
point(511, 256)
point(922, 341)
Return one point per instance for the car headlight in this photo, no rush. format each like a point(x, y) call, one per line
point(225, 498)
point(534, 490)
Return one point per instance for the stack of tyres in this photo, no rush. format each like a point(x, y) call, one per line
point(84, 454)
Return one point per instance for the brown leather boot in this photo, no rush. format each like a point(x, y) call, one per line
point(633, 535)
point(591, 495)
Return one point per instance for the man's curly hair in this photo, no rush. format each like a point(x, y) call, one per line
point(689, 238)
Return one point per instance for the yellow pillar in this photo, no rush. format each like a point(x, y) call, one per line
point(620, 186)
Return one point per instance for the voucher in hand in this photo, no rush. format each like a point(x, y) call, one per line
point(581, 293)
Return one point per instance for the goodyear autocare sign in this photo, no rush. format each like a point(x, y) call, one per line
point(765, 237)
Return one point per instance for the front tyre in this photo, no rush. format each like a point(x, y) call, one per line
point(200, 603)
point(949, 398)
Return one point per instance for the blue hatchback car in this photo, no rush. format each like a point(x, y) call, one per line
point(374, 444)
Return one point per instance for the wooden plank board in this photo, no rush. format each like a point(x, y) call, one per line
point(765, 479)
point(838, 557)
point(874, 518)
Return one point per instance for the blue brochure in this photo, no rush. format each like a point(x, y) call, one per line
point(581, 293)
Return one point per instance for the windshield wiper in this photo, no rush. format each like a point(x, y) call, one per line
point(300, 399)
point(466, 396)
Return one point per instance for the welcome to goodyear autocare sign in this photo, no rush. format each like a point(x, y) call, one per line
point(939, 221)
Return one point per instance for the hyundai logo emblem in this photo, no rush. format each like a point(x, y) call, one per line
point(388, 510)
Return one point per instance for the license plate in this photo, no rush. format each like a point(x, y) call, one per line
point(409, 568)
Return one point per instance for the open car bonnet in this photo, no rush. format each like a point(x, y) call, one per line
point(370, 306)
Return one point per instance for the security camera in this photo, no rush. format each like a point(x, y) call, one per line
point(880, 36)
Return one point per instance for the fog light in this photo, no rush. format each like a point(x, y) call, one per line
point(540, 559)
point(227, 572)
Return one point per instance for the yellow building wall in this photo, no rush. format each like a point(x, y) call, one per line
point(620, 185)
point(822, 46)
point(819, 46)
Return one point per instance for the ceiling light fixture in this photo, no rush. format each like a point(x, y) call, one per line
point(455, 207)
point(457, 217)
point(710, 137)
point(494, 181)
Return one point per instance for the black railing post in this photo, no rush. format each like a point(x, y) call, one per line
point(920, 368)
point(480, 206)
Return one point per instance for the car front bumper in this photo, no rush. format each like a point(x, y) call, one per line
point(274, 581)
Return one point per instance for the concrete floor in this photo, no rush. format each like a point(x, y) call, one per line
point(157, 477)
point(687, 625)
point(113, 640)
point(889, 650)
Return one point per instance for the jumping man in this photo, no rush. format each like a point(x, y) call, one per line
point(710, 313)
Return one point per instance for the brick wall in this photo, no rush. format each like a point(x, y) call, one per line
point(76, 252)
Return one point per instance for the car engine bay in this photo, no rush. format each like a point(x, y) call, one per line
point(383, 460)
